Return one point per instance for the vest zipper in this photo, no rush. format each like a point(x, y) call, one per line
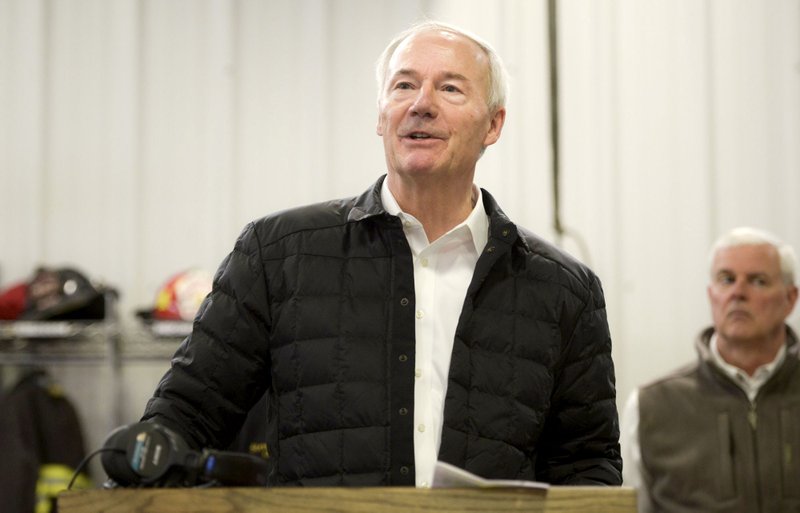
point(752, 417)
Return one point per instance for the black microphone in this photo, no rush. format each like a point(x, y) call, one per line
point(150, 454)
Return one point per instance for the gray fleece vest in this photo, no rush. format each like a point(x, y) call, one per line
point(706, 448)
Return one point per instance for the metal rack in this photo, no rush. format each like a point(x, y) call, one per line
point(102, 341)
point(96, 358)
point(153, 340)
point(47, 343)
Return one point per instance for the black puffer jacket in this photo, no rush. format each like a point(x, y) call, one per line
point(317, 305)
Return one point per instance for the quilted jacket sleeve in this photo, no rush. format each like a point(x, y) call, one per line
point(580, 445)
point(222, 368)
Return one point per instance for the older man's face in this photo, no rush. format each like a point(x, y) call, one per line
point(749, 300)
point(433, 113)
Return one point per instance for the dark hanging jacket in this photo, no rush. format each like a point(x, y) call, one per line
point(41, 444)
point(315, 305)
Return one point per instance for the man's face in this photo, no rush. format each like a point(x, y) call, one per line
point(433, 113)
point(749, 299)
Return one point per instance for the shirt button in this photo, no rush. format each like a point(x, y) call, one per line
point(421, 428)
point(424, 262)
point(403, 411)
point(420, 314)
point(424, 484)
point(418, 373)
point(404, 301)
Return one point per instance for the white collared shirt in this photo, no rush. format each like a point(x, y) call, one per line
point(749, 384)
point(442, 273)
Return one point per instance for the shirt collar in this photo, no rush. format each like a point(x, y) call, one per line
point(760, 375)
point(477, 222)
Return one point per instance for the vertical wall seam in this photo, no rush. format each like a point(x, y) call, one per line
point(711, 199)
point(330, 44)
point(235, 104)
point(44, 124)
point(616, 172)
point(138, 145)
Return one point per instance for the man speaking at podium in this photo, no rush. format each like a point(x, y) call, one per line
point(410, 324)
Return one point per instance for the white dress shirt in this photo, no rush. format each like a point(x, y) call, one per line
point(443, 270)
point(631, 450)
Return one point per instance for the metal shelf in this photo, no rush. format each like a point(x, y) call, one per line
point(50, 342)
point(156, 340)
point(47, 342)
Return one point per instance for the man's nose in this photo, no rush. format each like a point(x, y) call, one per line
point(425, 102)
point(739, 287)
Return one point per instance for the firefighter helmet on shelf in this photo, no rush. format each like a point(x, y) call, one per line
point(181, 295)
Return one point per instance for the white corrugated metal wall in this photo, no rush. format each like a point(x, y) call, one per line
point(137, 137)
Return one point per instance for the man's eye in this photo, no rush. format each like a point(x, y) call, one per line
point(450, 89)
point(725, 279)
point(402, 85)
point(760, 282)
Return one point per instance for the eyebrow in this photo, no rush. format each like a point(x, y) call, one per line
point(757, 274)
point(448, 75)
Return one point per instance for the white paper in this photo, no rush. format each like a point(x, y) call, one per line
point(446, 475)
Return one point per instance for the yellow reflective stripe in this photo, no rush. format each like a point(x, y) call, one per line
point(259, 449)
point(54, 478)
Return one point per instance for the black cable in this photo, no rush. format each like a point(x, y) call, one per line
point(555, 139)
point(85, 461)
point(552, 37)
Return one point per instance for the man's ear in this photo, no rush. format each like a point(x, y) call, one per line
point(495, 127)
point(792, 297)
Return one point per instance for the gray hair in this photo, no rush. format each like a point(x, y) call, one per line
point(746, 236)
point(498, 76)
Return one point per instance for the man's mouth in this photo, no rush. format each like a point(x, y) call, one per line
point(738, 314)
point(419, 135)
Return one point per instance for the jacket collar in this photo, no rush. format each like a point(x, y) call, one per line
point(369, 204)
point(501, 229)
point(789, 362)
point(703, 341)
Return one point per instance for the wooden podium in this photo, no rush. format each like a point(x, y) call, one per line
point(556, 499)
